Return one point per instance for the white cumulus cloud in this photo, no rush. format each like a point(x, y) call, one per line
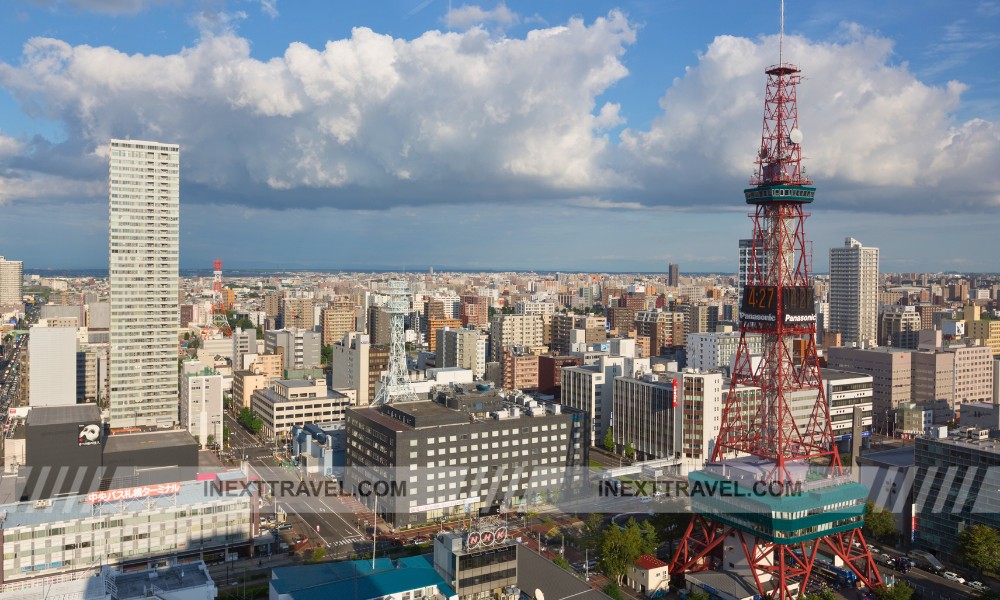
point(468, 117)
point(876, 137)
point(366, 120)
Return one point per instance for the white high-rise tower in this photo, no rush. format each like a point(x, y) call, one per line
point(854, 290)
point(144, 203)
point(11, 272)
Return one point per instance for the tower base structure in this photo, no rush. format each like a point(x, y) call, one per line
point(775, 537)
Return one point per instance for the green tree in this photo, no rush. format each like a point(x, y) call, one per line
point(326, 354)
point(194, 343)
point(630, 451)
point(210, 440)
point(562, 562)
point(187, 335)
point(613, 591)
point(879, 523)
point(980, 546)
point(824, 594)
point(318, 554)
point(593, 530)
point(900, 591)
point(615, 553)
point(609, 441)
point(698, 594)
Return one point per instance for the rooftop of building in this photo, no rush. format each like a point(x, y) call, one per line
point(649, 562)
point(275, 398)
point(427, 413)
point(837, 374)
point(726, 582)
point(145, 440)
point(74, 508)
point(896, 457)
point(961, 438)
point(358, 579)
point(61, 415)
point(535, 572)
point(178, 577)
point(298, 383)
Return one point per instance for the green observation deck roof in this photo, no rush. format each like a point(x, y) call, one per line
point(785, 514)
point(766, 194)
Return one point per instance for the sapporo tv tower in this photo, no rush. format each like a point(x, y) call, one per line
point(793, 499)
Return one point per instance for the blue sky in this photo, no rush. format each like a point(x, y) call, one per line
point(546, 135)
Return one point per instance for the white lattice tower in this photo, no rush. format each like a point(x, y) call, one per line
point(396, 385)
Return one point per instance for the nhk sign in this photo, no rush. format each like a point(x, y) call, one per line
point(136, 493)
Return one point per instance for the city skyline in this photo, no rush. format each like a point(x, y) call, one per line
point(432, 127)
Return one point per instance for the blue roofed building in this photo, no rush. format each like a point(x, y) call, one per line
point(411, 578)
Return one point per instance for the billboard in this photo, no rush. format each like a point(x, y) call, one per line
point(135, 493)
point(88, 435)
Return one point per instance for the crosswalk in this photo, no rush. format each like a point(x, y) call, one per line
point(350, 540)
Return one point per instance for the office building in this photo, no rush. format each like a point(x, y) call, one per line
point(465, 348)
point(434, 326)
point(550, 372)
point(297, 313)
point(244, 342)
point(474, 311)
point(899, 327)
point(665, 330)
point(710, 351)
point(987, 331)
point(357, 365)
point(673, 275)
point(514, 330)
point(472, 446)
point(956, 489)
point(845, 393)
point(272, 304)
point(11, 277)
point(973, 376)
point(646, 416)
point(338, 319)
point(52, 375)
point(594, 328)
point(201, 403)
point(245, 383)
point(299, 347)
point(854, 287)
point(285, 403)
point(518, 369)
point(144, 205)
point(892, 376)
point(590, 389)
point(126, 526)
point(529, 307)
point(379, 325)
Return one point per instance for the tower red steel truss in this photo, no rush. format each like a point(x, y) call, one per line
point(778, 305)
point(218, 302)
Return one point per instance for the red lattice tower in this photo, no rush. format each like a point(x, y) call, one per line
point(218, 302)
point(778, 306)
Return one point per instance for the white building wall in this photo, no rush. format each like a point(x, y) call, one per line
point(52, 366)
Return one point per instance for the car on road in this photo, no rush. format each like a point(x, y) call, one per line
point(953, 577)
point(979, 586)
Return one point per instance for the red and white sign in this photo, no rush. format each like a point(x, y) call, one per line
point(675, 393)
point(136, 493)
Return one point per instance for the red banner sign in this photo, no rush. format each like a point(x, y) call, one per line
point(136, 493)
